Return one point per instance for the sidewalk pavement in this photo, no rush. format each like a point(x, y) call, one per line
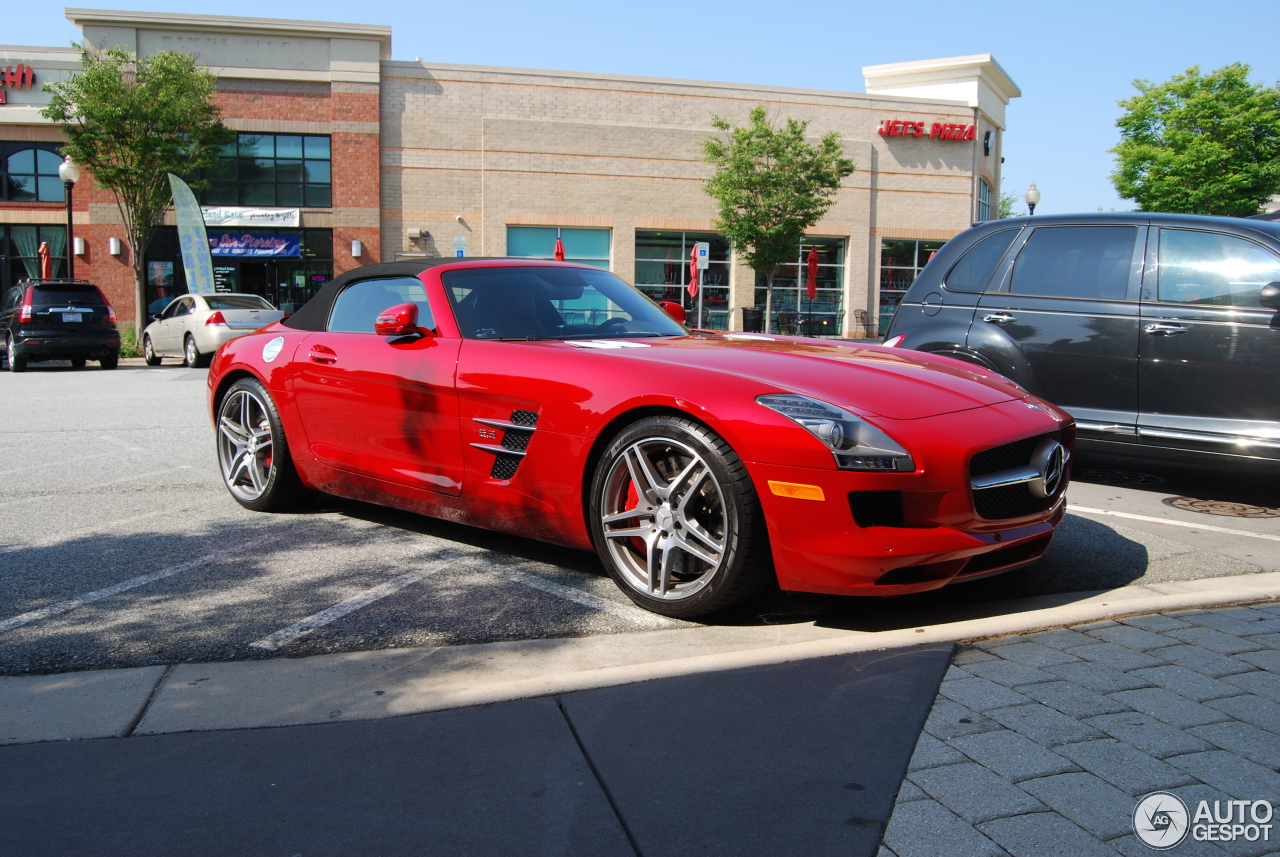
point(773, 740)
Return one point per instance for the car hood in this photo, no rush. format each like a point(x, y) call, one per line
point(899, 385)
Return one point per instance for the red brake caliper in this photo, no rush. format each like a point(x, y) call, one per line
point(632, 502)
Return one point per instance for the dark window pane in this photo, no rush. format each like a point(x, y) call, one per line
point(289, 171)
point(318, 172)
point(897, 254)
point(47, 162)
point(224, 170)
point(228, 149)
point(1075, 262)
point(51, 189)
point(318, 196)
point(22, 188)
point(358, 306)
point(659, 245)
point(23, 162)
point(258, 194)
point(289, 194)
point(257, 146)
point(263, 170)
point(288, 147)
point(221, 193)
point(979, 262)
point(1213, 269)
point(316, 147)
point(317, 243)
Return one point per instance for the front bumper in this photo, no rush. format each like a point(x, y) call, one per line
point(818, 546)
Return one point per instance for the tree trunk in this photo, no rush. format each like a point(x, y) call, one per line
point(140, 317)
point(769, 271)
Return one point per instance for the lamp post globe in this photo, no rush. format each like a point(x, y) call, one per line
point(1032, 196)
point(69, 172)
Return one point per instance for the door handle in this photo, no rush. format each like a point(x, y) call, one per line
point(320, 354)
point(998, 318)
point(1164, 329)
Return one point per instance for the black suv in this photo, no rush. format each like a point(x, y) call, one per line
point(1159, 333)
point(58, 320)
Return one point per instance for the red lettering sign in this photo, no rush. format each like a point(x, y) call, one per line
point(937, 130)
point(17, 78)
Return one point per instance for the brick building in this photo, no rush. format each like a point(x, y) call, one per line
point(345, 157)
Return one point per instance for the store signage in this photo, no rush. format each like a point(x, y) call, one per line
point(235, 244)
point(937, 130)
point(16, 78)
point(230, 215)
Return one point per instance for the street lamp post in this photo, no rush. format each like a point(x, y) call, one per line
point(1032, 196)
point(70, 174)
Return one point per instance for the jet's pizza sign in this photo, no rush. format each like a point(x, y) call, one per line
point(16, 78)
point(937, 130)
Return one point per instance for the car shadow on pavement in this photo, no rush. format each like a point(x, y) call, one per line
point(1230, 483)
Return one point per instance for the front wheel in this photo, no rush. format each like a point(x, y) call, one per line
point(149, 352)
point(252, 452)
point(676, 519)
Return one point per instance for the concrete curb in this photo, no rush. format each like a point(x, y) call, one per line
point(397, 682)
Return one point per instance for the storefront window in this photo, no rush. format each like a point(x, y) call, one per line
point(900, 264)
point(662, 273)
point(793, 312)
point(294, 171)
point(984, 201)
point(286, 281)
point(584, 246)
point(31, 172)
point(20, 256)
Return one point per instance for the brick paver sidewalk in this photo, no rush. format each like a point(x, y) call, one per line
point(1042, 744)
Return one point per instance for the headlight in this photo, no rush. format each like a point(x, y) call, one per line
point(855, 443)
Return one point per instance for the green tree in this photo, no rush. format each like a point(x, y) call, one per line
point(1200, 144)
point(129, 121)
point(770, 186)
point(1007, 202)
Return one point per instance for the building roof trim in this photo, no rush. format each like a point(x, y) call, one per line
point(984, 65)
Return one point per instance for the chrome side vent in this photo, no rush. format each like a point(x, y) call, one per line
point(516, 434)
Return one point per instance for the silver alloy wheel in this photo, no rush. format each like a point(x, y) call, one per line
point(664, 518)
point(245, 448)
point(148, 350)
point(192, 355)
point(11, 353)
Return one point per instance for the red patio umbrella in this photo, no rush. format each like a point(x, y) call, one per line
point(46, 261)
point(693, 272)
point(559, 254)
point(812, 289)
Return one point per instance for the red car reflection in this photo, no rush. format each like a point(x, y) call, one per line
point(554, 401)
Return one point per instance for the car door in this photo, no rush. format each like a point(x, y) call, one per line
point(169, 332)
point(382, 407)
point(1064, 320)
point(1209, 350)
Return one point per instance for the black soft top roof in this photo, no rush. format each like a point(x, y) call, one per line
point(314, 314)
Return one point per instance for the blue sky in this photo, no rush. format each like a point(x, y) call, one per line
point(1072, 60)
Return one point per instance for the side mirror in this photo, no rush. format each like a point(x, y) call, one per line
point(673, 309)
point(1269, 297)
point(398, 320)
point(155, 316)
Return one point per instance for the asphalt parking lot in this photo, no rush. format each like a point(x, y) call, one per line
point(120, 547)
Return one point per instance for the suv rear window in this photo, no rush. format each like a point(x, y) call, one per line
point(979, 262)
point(61, 295)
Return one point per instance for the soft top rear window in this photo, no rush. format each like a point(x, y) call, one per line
point(62, 295)
point(236, 302)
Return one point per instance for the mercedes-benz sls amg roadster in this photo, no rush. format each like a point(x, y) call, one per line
point(555, 401)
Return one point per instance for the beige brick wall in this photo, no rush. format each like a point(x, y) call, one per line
point(501, 146)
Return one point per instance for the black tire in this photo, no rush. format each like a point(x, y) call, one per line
point(260, 480)
point(110, 362)
point(662, 557)
point(149, 352)
point(191, 356)
point(17, 362)
point(78, 362)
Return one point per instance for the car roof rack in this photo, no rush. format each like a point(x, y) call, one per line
point(53, 281)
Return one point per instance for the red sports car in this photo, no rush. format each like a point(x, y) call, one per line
point(554, 401)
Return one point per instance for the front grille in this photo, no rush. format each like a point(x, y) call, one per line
point(504, 467)
point(876, 508)
point(524, 418)
point(1008, 501)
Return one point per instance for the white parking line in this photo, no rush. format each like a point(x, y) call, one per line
point(124, 586)
point(1087, 511)
point(586, 599)
point(297, 630)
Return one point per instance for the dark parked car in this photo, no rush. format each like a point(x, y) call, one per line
point(1159, 333)
point(58, 320)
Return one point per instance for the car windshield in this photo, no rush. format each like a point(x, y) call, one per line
point(62, 295)
point(552, 303)
point(236, 302)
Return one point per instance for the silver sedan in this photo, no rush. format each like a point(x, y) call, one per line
point(193, 326)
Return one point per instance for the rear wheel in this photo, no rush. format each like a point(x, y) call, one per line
point(17, 362)
point(191, 355)
point(78, 362)
point(110, 362)
point(252, 452)
point(676, 519)
point(149, 352)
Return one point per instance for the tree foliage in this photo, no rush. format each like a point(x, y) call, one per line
point(129, 121)
point(1200, 144)
point(770, 186)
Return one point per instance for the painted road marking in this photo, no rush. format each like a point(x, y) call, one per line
point(125, 585)
point(297, 630)
point(1087, 511)
point(586, 599)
